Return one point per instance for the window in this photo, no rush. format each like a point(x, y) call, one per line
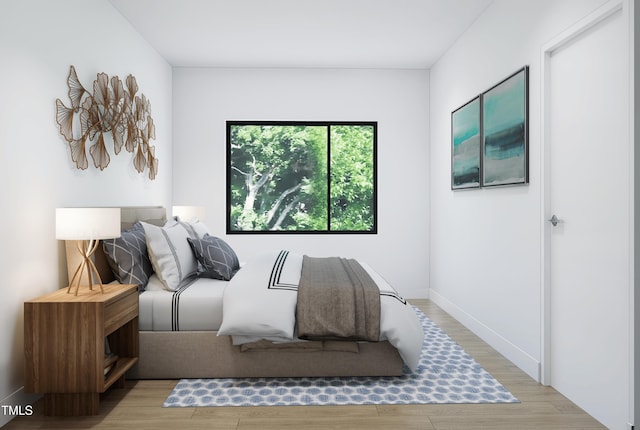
point(301, 177)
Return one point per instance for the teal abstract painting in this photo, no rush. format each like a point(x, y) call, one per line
point(465, 148)
point(504, 124)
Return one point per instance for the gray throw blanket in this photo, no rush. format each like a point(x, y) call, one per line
point(337, 299)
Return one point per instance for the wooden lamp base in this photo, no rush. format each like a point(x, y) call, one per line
point(86, 248)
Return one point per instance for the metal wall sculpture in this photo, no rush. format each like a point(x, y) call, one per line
point(111, 108)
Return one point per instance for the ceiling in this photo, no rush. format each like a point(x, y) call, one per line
point(301, 33)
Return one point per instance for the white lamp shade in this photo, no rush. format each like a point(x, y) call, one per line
point(87, 223)
point(188, 213)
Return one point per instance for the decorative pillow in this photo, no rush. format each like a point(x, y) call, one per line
point(127, 256)
point(198, 228)
point(217, 258)
point(170, 253)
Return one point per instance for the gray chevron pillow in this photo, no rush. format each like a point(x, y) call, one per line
point(128, 258)
point(217, 258)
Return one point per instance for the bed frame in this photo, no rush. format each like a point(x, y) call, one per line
point(203, 354)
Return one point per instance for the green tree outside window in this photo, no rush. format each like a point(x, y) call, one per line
point(301, 177)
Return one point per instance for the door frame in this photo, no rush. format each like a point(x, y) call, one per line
point(588, 22)
point(563, 38)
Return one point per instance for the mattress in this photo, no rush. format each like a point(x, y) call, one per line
point(195, 306)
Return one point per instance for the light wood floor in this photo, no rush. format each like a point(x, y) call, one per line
point(139, 405)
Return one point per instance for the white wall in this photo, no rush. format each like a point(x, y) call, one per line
point(635, 296)
point(486, 244)
point(39, 40)
point(398, 99)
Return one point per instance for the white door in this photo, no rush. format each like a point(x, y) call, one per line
point(589, 172)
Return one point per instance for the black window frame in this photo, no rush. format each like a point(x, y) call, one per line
point(328, 124)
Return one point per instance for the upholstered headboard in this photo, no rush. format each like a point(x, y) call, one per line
point(128, 216)
point(156, 215)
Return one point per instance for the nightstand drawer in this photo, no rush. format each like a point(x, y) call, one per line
point(120, 311)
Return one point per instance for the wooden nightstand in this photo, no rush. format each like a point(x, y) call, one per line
point(64, 346)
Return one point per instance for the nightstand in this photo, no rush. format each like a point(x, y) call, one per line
point(67, 339)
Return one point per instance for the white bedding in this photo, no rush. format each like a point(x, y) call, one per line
point(195, 306)
point(260, 302)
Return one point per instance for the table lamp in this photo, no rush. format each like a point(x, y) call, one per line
point(87, 226)
point(188, 213)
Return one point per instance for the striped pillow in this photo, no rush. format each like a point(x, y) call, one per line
point(170, 253)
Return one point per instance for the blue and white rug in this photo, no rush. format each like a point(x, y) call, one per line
point(445, 374)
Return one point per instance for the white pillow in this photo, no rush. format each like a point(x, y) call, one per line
point(199, 228)
point(170, 252)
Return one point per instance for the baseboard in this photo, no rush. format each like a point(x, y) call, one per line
point(17, 403)
point(517, 356)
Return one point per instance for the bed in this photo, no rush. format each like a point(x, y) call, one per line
point(184, 332)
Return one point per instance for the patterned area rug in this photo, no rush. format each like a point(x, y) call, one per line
point(446, 374)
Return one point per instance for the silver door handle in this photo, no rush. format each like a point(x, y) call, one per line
point(554, 220)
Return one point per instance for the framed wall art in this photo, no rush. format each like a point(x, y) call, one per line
point(465, 145)
point(490, 136)
point(505, 151)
